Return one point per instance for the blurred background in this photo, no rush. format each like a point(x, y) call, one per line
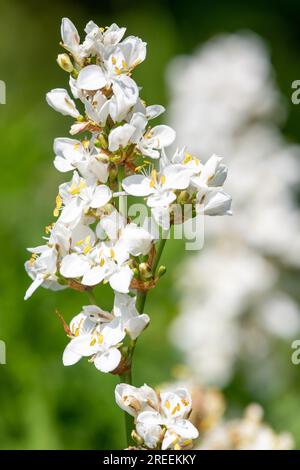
point(225, 316)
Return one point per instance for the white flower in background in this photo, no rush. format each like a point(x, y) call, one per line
point(237, 310)
point(161, 419)
point(71, 154)
point(246, 433)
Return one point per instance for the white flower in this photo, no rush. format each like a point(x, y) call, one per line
point(60, 100)
point(147, 142)
point(71, 154)
point(133, 400)
point(71, 40)
point(174, 410)
point(161, 419)
point(100, 41)
point(78, 197)
point(42, 268)
point(104, 261)
point(132, 322)
point(131, 239)
point(100, 342)
point(125, 90)
point(159, 188)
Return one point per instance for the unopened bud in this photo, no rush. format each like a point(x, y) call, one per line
point(137, 438)
point(113, 172)
point(161, 271)
point(101, 142)
point(64, 62)
point(74, 73)
point(183, 197)
point(145, 271)
point(136, 273)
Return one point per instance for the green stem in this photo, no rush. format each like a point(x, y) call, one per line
point(122, 199)
point(91, 297)
point(129, 420)
point(159, 251)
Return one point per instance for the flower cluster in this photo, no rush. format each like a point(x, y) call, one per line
point(93, 240)
point(161, 419)
point(241, 309)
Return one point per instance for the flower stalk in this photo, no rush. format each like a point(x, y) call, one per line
point(93, 241)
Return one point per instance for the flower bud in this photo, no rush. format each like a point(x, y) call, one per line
point(145, 271)
point(113, 172)
point(183, 197)
point(101, 142)
point(161, 271)
point(64, 62)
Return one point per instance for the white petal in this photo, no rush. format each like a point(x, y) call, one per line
point(154, 111)
point(69, 34)
point(162, 199)
point(137, 185)
point(113, 333)
point(63, 165)
point(91, 78)
point(33, 287)
point(60, 100)
point(93, 276)
point(163, 135)
point(177, 177)
point(217, 203)
point(161, 216)
point(72, 211)
point(120, 281)
point(136, 325)
point(102, 196)
point(137, 240)
point(70, 357)
point(185, 429)
point(84, 345)
point(120, 137)
point(74, 265)
point(108, 361)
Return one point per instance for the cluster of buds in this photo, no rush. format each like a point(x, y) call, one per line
point(93, 240)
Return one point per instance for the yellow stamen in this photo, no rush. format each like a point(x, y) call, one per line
point(118, 71)
point(124, 65)
point(114, 60)
point(102, 261)
point(168, 404)
point(32, 259)
point(162, 179)
point(58, 204)
point(92, 343)
point(176, 408)
point(100, 339)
